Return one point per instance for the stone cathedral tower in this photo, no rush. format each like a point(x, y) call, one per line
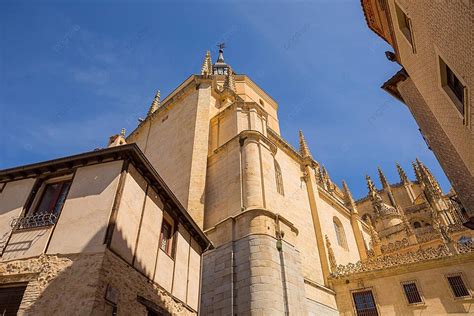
point(216, 142)
point(280, 226)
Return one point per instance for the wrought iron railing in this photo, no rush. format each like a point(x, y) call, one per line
point(36, 220)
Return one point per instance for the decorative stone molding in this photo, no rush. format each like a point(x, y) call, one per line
point(397, 259)
point(393, 246)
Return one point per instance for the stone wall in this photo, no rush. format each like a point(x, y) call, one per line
point(448, 156)
point(441, 30)
point(77, 284)
point(432, 285)
point(261, 280)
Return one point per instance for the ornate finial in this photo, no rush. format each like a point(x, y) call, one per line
point(403, 176)
point(206, 68)
point(348, 196)
point(383, 179)
point(304, 149)
point(417, 172)
point(375, 198)
point(370, 184)
point(122, 132)
point(374, 236)
point(229, 82)
point(331, 257)
point(155, 104)
point(432, 188)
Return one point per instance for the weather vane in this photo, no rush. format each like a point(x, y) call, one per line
point(221, 45)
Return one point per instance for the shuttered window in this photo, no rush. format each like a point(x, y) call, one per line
point(411, 293)
point(458, 286)
point(10, 299)
point(364, 303)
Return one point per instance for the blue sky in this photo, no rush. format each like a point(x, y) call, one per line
point(74, 73)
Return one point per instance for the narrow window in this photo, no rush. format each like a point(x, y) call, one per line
point(53, 198)
point(10, 299)
point(404, 24)
point(457, 286)
point(166, 237)
point(411, 292)
point(364, 303)
point(279, 178)
point(453, 87)
point(340, 234)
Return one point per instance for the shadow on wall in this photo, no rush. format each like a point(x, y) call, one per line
point(78, 284)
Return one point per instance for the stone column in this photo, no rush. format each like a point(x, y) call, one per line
point(312, 188)
point(252, 173)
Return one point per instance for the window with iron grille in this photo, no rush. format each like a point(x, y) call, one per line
point(10, 299)
point(457, 286)
point(364, 303)
point(411, 292)
point(53, 198)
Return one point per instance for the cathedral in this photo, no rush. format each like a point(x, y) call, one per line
point(285, 235)
point(249, 224)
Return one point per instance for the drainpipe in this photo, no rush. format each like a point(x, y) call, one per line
point(279, 246)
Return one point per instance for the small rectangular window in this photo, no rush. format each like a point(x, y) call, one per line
point(404, 24)
point(453, 87)
point(411, 292)
point(364, 303)
point(166, 237)
point(457, 286)
point(456, 86)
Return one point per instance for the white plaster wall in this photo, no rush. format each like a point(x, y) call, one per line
point(12, 200)
point(125, 233)
point(84, 218)
point(148, 240)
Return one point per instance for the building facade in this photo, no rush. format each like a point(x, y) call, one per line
point(432, 41)
point(96, 234)
point(116, 236)
point(283, 232)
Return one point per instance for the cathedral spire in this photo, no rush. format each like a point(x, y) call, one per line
point(206, 68)
point(155, 104)
point(431, 185)
point(220, 67)
point(370, 185)
point(403, 176)
point(304, 149)
point(383, 179)
point(348, 197)
point(417, 172)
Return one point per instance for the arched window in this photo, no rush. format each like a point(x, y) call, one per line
point(367, 218)
point(416, 224)
point(340, 235)
point(278, 178)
